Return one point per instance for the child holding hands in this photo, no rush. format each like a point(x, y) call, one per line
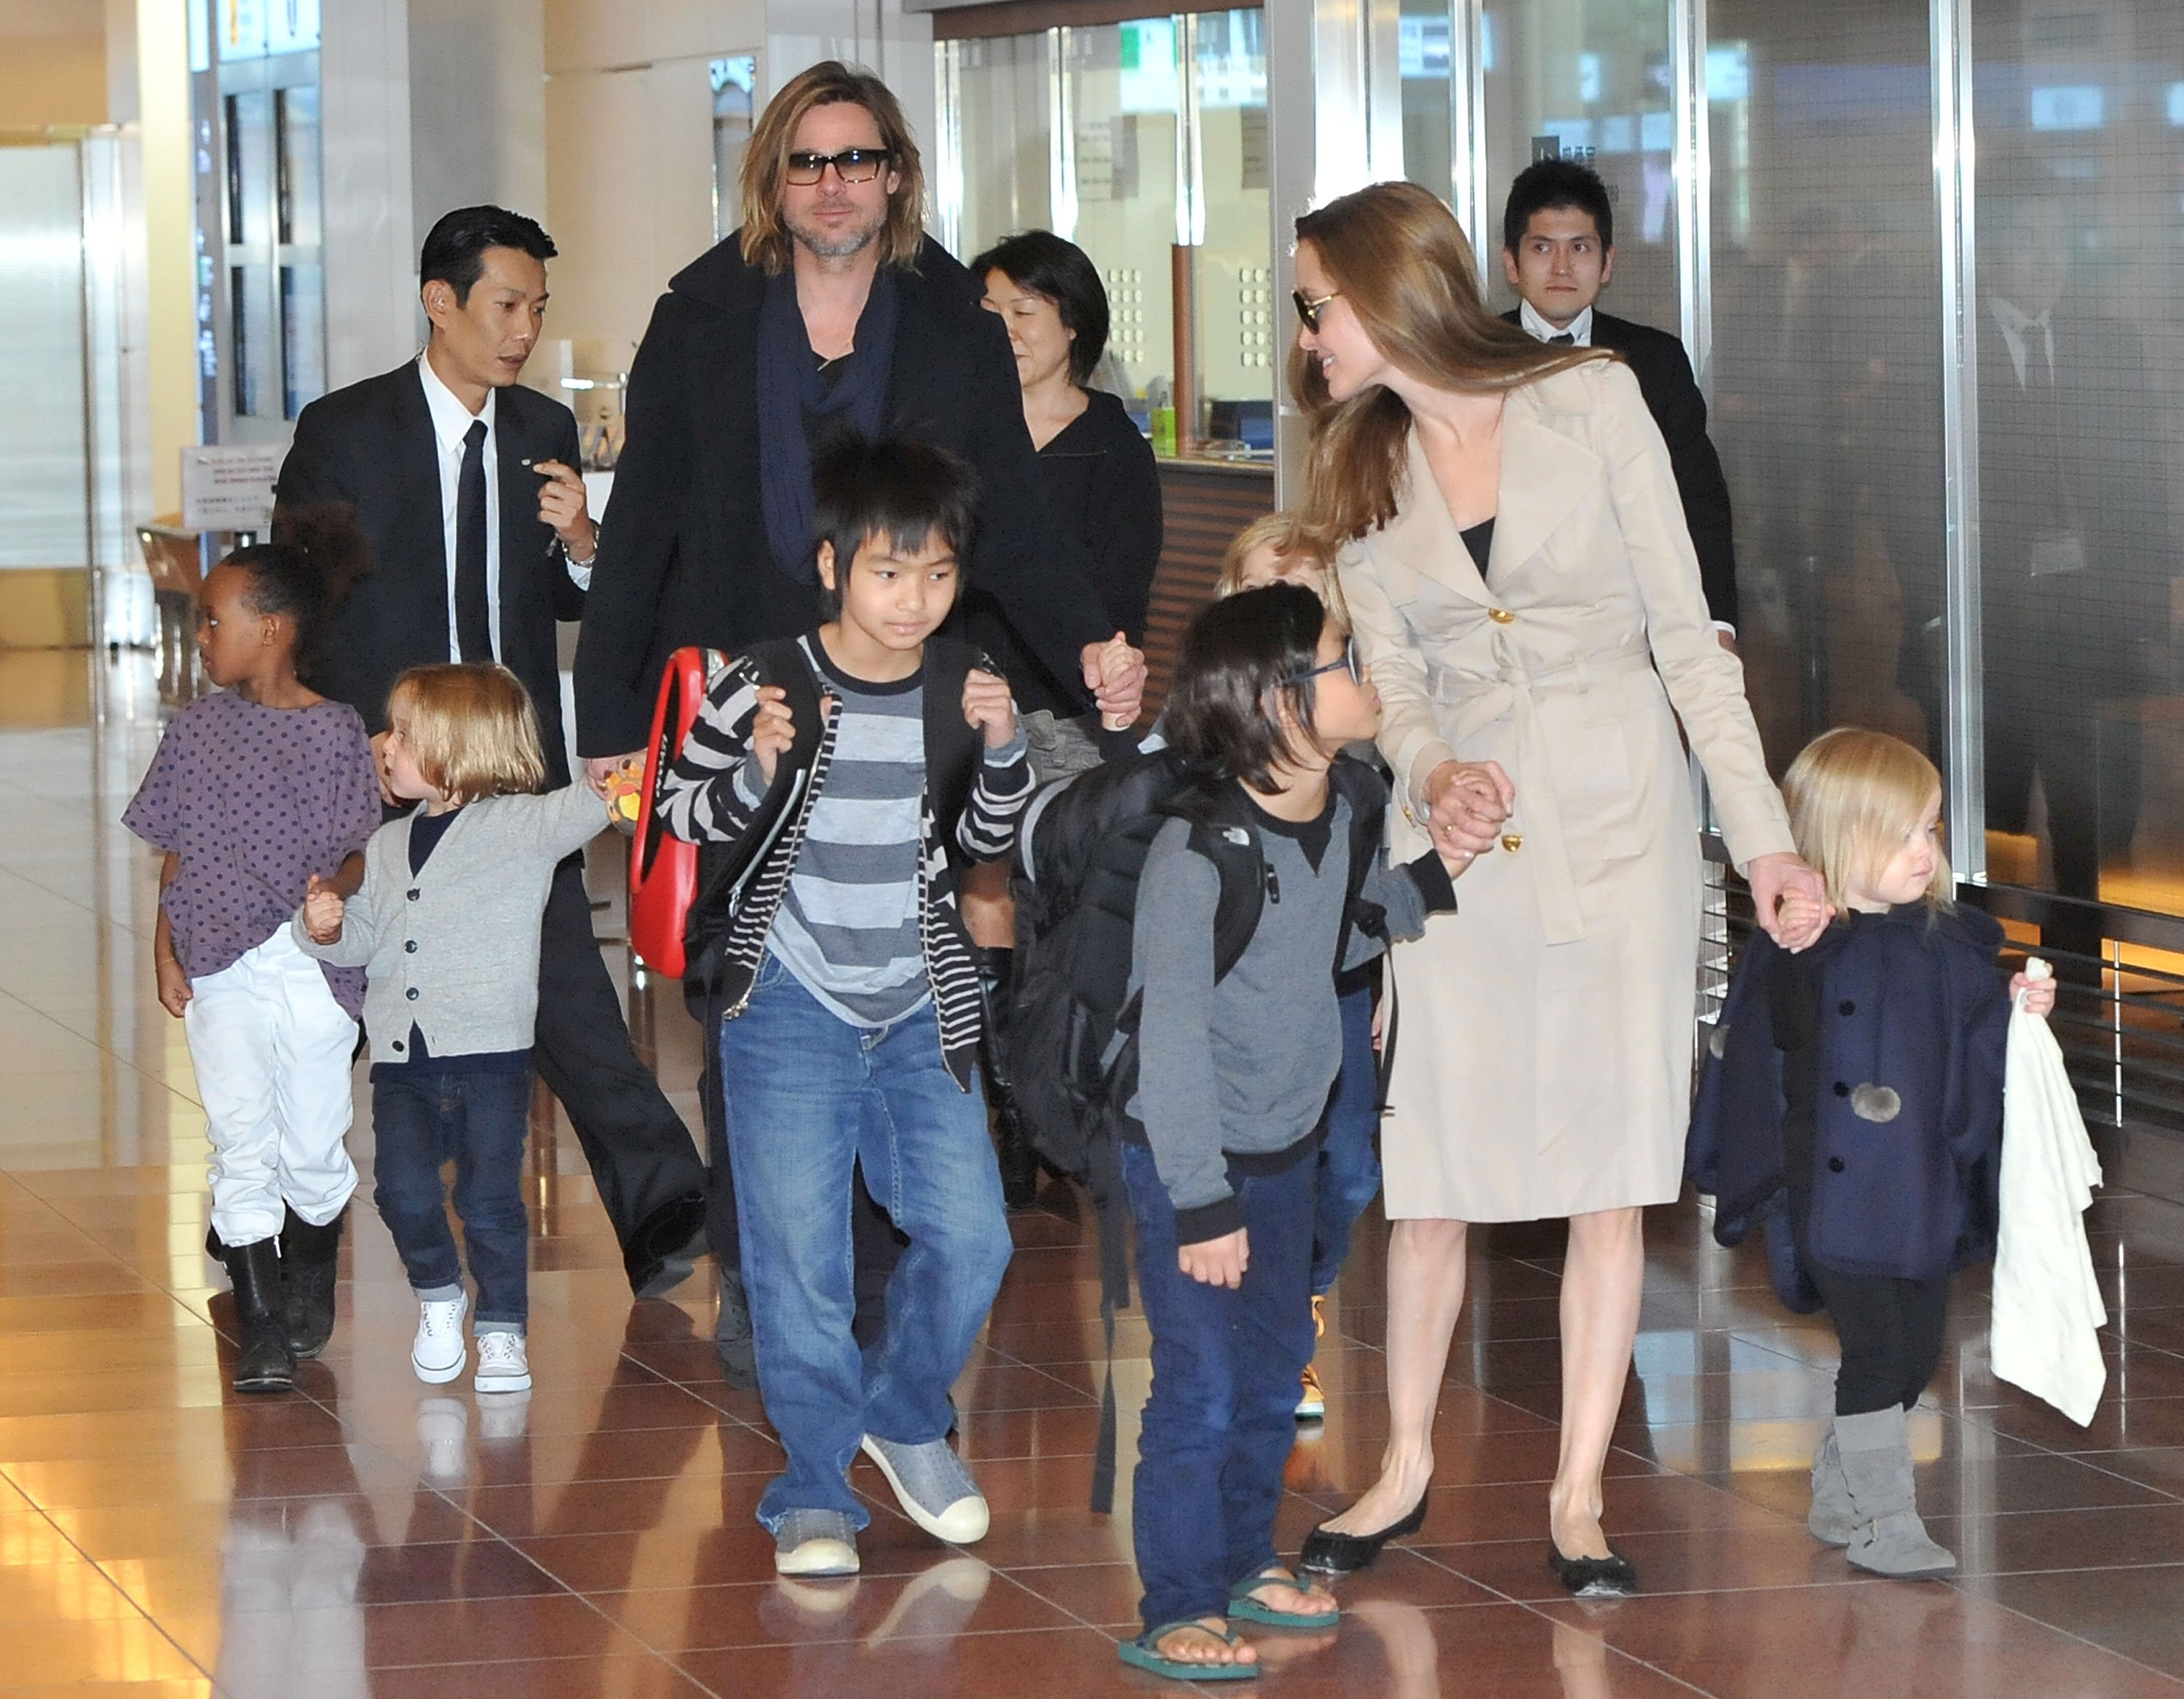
point(255, 792)
point(446, 928)
point(1852, 1105)
point(1220, 1144)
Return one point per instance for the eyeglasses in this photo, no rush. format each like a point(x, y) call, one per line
point(1347, 663)
point(851, 166)
point(1308, 310)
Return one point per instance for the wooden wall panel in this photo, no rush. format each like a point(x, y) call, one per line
point(1203, 508)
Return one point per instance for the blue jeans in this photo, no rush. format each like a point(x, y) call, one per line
point(807, 1096)
point(1349, 1166)
point(1223, 1413)
point(420, 1118)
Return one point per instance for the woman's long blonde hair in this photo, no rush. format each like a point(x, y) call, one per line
point(472, 728)
point(1855, 798)
point(1400, 261)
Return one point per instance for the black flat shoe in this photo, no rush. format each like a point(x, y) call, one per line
point(1611, 1577)
point(1328, 1553)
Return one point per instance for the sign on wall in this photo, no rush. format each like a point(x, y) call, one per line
point(231, 487)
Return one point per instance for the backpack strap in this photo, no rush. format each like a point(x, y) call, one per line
point(1367, 793)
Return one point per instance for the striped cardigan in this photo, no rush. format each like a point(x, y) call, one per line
point(970, 808)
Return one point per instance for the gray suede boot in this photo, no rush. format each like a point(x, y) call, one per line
point(1890, 1539)
point(1831, 1521)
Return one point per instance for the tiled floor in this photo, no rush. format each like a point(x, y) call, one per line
point(160, 1537)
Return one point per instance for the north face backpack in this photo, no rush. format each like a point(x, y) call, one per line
point(1080, 854)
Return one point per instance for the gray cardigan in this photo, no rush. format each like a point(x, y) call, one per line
point(454, 948)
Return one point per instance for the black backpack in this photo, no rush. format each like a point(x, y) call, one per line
point(1079, 855)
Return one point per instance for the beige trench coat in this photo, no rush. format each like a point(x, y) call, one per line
point(1544, 1066)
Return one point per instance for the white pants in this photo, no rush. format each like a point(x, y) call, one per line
point(272, 1051)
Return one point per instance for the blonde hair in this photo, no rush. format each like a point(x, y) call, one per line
point(472, 729)
point(767, 242)
point(1279, 531)
point(1399, 261)
point(1855, 797)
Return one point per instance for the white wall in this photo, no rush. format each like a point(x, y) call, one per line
point(371, 238)
point(477, 107)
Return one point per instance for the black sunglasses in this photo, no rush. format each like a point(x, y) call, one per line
point(851, 164)
point(1308, 309)
point(1347, 663)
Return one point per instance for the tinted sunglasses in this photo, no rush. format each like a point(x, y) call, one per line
point(851, 164)
point(1307, 308)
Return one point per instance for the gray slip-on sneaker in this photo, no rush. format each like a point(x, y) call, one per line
point(815, 1542)
point(933, 1487)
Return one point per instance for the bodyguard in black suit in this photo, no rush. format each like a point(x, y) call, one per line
point(1558, 253)
point(465, 485)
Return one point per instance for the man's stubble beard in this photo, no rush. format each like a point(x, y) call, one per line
point(842, 247)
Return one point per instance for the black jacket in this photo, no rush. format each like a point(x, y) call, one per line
point(1104, 489)
point(371, 445)
point(683, 558)
point(1907, 1155)
point(1663, 371)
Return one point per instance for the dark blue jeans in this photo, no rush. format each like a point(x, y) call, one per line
point(1223, 1413)
point(806, 1097)
point(1349, 1164)
point(422, 1116)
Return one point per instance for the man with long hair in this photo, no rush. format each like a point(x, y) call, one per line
point(829, 310)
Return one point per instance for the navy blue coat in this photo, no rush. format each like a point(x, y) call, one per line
point(1908, 1152)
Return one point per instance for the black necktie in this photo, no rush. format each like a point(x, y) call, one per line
point(1567, 339)
point(473, 618)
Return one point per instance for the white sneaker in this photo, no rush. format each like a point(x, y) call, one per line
point(502, 1365)
point(437, 1352)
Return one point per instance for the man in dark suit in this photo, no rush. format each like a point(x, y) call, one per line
point(1558, 253)
point(830, 309)
point(465, 485)
point(2076, 549)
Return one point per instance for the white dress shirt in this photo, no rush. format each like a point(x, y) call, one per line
point(2018, 329)
point(451, 423)
point(1579, 329)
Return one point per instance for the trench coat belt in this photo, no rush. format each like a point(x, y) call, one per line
point(1470, 702)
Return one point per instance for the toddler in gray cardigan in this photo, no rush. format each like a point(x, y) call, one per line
point(446, 928)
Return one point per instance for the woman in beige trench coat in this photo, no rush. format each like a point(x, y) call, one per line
point(1534, 673)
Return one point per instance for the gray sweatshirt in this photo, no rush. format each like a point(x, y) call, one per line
point(1243, 1068)
point(454, 947)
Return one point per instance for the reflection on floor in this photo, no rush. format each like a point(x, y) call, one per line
point(159, 1537)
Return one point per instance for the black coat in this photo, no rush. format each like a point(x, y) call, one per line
point(1663, 371)
point(1104, 487)
point(1907, 1156)
point(371, 445)
point(683, 558)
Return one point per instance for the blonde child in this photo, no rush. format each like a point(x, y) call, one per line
point(447, 930)
point(1854, 1105)
point(255, 792)
point(1269, 551)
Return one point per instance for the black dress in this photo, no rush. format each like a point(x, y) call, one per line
point(1101, 485)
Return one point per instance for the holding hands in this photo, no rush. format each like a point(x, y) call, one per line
point(987, 705)
point(1791, 900)
point(322, 911)
point(1114, 674)
point(1468, 803)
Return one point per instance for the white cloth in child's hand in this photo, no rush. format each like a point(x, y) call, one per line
point(2047, 1307)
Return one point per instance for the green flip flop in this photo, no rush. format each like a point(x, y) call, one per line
point(1141, 1654)
point(1243, 1607)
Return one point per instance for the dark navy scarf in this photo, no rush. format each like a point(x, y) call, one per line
point(790, 387)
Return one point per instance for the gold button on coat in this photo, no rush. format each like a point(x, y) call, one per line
point(1501, 616)
point(1512, 841)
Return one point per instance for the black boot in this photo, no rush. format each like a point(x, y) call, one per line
point(264, 1362)
point(309, 1255)
point(665, 1246)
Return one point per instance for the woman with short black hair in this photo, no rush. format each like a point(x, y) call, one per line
point(1100, 479)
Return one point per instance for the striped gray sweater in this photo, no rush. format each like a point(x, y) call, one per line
point(863, 909)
